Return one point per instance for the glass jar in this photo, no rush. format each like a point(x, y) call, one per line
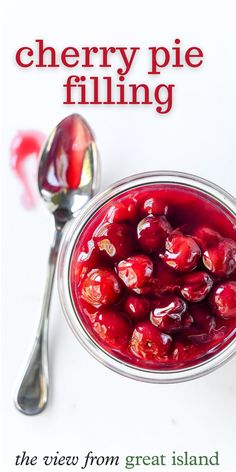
point(73, 231)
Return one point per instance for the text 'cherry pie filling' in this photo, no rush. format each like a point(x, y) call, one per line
point(153, 277)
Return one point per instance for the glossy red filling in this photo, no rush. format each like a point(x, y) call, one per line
point(153, 276)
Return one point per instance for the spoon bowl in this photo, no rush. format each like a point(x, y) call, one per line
point(69, 168)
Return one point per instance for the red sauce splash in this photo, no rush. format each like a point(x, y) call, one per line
point(25, 146)
point(65, 157)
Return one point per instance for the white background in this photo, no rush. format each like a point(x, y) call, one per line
point(90, 407)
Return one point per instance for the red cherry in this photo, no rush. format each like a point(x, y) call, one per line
point(213, 327)
point(113, 328)
point(198, 335)
point(149, 343)
point(187, 320)
point(223, 299)
point(196, 286)
point(202, 317)
point(167, 313)
point(154, 206)
point(182, 253)
point(184, 352)
point(202, 330)
point(166, 280)
point(115, 240)
point(206, 237)
point(221, 258)
point(137, 307)
point(135, 271)
point(101, 287)
point(84, 259)
point(124, 211)
point(145, 290)
point(152, 232)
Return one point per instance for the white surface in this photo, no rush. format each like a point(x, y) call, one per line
point(90, 407)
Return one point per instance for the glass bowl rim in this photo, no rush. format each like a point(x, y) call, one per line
point(71, 233)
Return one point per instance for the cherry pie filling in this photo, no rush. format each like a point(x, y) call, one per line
point(153, 277)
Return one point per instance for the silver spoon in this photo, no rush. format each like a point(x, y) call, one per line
point(68, 176)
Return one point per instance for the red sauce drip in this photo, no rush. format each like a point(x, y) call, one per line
point(64, 163)
point(24, 146)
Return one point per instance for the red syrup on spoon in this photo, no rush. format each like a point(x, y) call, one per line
point(65, 161)
point(24, 146)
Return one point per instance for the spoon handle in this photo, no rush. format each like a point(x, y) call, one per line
point(32, 394)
